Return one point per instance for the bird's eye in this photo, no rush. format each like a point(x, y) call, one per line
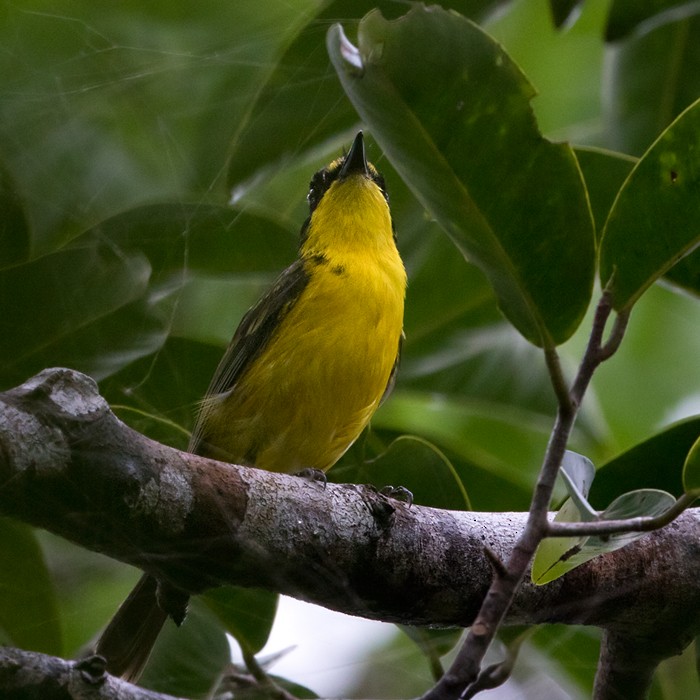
point(320, 182)
point(382, 185)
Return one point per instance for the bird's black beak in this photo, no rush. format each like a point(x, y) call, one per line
point(355, 160)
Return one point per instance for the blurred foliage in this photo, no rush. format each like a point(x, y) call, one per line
point(154, 164)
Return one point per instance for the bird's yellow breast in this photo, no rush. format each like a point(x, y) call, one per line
point(309, 394)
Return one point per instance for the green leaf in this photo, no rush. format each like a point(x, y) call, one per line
point(188, 660)
point(573, 651)
point(641, 503)
point(28, 612)
point(552, 553)
point(158, 395)
point(457, 343)
point(577, 472)
point(88, 587)
point(656, 218)
point(452, 113)
point(557, 555)
point(66, 308)
point(644, 502)
point(686, 273)
point(655, 463)
point(691, 469)
point(415, 464)
point(659, 60)
point(114, 294)
point(246, 613)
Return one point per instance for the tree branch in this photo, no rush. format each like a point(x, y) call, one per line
point(69, 465)
point(26, 674)
point(626, 667)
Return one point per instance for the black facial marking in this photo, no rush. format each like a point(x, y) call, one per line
point(325, 177)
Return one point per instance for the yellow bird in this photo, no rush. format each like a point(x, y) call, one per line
point(306, 368)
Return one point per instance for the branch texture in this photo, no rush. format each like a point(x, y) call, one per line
point(25, 675)
point(68, 465)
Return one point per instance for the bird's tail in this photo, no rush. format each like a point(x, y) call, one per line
point(128, 639)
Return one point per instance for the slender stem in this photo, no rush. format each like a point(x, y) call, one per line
point(594, 355)
point(561, 390)
point(465, 669)
point(611, 527)
point(272, 690)
point(616, 335)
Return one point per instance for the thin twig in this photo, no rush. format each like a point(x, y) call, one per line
point(464, 671)
point(264, 681)
point(616, 335)
point(593, 355)
point(643, 523)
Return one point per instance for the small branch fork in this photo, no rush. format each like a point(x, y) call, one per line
point(464, 676)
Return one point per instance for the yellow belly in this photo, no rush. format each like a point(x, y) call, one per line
point(311, 392)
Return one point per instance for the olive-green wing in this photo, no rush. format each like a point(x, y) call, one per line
point(252, 336)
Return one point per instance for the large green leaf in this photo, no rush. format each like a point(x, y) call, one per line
point(158, 394)
point(88, 587)
point(452, 113)
point(573, 651)
point(200, 238)
point(655, 220)
point(605, 172)
point(655, 463)
point(28, 612)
